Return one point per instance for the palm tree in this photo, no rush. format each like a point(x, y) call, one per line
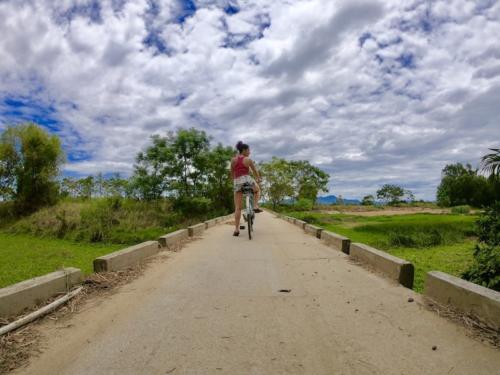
point(490, 163)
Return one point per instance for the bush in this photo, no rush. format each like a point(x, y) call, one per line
point(98, 219)
point(485, 270)
point(310, 219)
point(303, 205)
point(193, 207)
point(465, 209)
point(488, 225)
point(7, 212)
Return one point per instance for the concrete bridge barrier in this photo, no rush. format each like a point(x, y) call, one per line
point(314, 230)
point(395, 268)
point(172, 239)
point(335, 240)
point(300, 223)
point(196, 230)
point(29, 293)
point(464, 296)
point(125, 258)
point(210, 223)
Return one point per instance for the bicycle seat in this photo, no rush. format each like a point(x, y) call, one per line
point(247, 188)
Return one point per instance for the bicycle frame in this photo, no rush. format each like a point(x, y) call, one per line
point(249, 212)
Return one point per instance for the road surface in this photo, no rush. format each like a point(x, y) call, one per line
point(216, 308)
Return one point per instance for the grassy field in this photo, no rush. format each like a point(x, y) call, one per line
point(25, 256)
point(431, 242)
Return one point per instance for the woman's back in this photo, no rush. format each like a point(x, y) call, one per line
point(240, 169)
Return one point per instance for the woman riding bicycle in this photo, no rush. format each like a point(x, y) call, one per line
point(241, 165)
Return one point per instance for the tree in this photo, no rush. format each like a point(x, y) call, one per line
point(277, 183)
point(391, 194)
point(174, 164)
point(219, 185)
point(368, 200)
point(308, 180)
point(115, 186)
point(490, 163)
point(152, 167)
point(190, 148)
point(86, 187)
point(30, 159)
point(461, 185)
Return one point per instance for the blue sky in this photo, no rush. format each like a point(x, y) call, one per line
point(373, 92)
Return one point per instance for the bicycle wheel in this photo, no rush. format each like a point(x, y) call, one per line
point(250, 229)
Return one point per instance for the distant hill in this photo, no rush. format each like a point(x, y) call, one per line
point(332, 199)
point(327, 199)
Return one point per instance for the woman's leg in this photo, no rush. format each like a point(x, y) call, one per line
point(256, 195)
point(238, 201)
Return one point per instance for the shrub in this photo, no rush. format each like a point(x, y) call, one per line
point(310, 219)
point(193, 207)
point(303, 204)
point(98, 219)
point(488, 225)
point(485, 270)
point(465, 209)
point(7, 212)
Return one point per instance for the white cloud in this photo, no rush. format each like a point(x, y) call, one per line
point(371, 93)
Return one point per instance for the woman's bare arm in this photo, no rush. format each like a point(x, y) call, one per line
point(255, 172)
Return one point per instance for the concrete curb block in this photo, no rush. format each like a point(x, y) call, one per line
point(170, 240)
point(337, 241)
point(314, 230)
point(467, 297)
point(300, 223)
point(196, 230)
point(127, 257)
point(395, 268)
point(15, 298)
point(210, 223)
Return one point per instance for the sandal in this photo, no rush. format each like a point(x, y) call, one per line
point(236, 234)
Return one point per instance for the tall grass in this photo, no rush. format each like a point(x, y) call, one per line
point(108, 220)
point(413, 231)
point(420, 234)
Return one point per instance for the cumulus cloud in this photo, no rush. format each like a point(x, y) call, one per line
point(372, 92)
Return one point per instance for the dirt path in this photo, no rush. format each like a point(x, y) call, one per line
point(215, 308)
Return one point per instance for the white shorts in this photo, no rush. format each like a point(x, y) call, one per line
point(240, 181)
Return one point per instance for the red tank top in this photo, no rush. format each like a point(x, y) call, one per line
point(239, 168)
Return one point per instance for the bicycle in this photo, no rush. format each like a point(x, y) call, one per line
point(249, 214)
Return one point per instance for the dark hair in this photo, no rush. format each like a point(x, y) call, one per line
point(240, 146)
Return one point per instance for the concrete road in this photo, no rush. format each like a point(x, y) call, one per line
point(216, 308)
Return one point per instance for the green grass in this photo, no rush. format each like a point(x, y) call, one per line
point(24, 256)
point(431, 242)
